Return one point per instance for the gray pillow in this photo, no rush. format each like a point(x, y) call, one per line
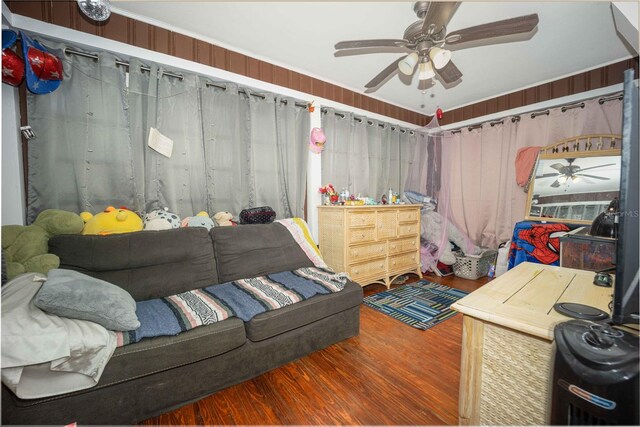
point(68, 293)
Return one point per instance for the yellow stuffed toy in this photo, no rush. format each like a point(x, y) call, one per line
point(111, 221)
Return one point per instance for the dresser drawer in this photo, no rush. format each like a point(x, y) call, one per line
point(404, 245)
point(361, 235)
point(402, 261)
point(360, 252)
point(376, 267)
point(408, 216)
point(362, 219)
point(410, 229)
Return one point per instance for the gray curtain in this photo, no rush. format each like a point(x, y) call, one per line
point(231, 150)
point(83, 158)
point(173, 108)
point(255, 151)
point(226, 128)
point(292, 129)
point(365, 156)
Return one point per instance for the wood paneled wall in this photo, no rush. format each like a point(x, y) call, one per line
point(589, 80)
point(140, 34)
point(147, 36)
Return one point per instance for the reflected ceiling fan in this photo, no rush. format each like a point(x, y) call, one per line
point(571, 172)
point(424, 42)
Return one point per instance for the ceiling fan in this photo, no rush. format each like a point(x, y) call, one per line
point(424, 42)
point(571, 172)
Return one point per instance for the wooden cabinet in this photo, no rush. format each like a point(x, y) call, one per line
point(507, 340)
point(373, 244)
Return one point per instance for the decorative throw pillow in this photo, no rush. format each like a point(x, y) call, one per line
point(68, 293)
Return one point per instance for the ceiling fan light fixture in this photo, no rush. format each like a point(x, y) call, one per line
point(408, 64)
point(440, 57)
point(426, 71)
point(98, 10)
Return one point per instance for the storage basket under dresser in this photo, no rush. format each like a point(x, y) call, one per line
point(374, 244)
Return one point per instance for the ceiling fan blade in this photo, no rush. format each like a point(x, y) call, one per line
point(593, 176)
point(518, 25)
point(547, 175)
point(382, 75)
point(439, 14)
point(449, 73)
point(555, 184)
point(558, 166)
point(425, 84)
point(354, 44)
point(369, 50)
point(593, 167)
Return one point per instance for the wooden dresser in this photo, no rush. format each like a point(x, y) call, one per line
point(374, 244)
point(507, 342)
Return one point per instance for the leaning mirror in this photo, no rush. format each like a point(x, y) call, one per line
point(573, 186)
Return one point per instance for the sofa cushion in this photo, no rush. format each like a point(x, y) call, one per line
point(147, 264)
point(275, 322)
point(153, 355)
point(255, 250)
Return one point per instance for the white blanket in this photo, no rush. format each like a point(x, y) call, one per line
point(43, 354)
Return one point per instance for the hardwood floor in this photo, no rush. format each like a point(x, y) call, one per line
point(391, 374)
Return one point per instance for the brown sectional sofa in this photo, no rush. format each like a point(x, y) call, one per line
point(157, 375)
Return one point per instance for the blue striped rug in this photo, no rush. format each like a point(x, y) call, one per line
point(422, 304)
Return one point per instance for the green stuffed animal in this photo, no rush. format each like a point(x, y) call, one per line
point(25, 247)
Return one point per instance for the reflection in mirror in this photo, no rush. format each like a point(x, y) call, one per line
point(573, 187)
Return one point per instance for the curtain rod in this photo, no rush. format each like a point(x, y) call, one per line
point(369, 122)
point(240, 90)
point(170, 74)
point(535, 114)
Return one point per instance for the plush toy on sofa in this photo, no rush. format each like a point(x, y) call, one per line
point(111, 221)
point(161, 219)
point(223, 219)
point(200, 220)
point(25, 247)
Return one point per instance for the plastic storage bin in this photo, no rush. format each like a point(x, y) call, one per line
point(580, 250)
point(474, 266)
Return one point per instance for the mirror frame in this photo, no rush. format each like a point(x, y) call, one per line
point(561, 155)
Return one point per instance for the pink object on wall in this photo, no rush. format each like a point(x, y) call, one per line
point(525, 161)
point(317, 140)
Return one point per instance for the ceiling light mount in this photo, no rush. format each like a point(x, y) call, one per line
point(98, 10)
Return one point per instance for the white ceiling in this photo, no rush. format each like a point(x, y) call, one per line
point(571, 37)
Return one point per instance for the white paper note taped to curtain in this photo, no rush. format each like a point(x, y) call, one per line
point(160, 143)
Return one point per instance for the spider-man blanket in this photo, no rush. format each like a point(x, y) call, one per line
point(536, 242)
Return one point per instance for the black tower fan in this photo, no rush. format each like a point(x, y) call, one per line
point(595, 378)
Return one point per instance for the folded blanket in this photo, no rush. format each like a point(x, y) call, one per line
point(243, 298)
point(43, 354)
point(301, 234)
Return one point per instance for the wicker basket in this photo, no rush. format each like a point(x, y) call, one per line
point(474, 266)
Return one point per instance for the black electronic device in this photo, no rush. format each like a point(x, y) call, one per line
point(580, 311)
point(602, 279)
point(595, 377)
point(625, 288)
